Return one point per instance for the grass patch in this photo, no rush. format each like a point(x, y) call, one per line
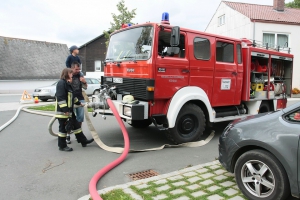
point(116, 195)
point(49, 107)
point(187, 192)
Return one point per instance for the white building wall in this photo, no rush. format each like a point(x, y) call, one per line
point(294, 42)
point(236, 25)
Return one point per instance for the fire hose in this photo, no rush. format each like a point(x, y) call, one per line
point(124, 151)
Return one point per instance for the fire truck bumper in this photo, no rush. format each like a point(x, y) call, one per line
point(128, 111)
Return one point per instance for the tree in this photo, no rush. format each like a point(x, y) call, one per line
point(124, 17)
point(293, 4)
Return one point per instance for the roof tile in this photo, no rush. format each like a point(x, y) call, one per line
point(266, 13)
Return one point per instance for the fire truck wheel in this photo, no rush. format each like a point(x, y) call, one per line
point(189, 126)
point(264, 107)
point(141, 123)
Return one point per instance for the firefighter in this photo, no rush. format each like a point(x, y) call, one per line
point(64, 112)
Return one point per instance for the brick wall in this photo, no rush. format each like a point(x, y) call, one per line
point(92, 52)
point(279, 5)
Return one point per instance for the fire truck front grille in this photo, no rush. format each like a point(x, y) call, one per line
point(133, 86)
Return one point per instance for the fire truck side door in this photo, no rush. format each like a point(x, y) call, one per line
point(225, 74)
point(172, 72)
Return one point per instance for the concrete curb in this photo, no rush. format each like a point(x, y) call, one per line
point(126, 186)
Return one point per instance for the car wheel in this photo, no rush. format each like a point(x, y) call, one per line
point(141, 123)
point(189, 126)
point(96, 92)
point(44, 100)
point(259, 175)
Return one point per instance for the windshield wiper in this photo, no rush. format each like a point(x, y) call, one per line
point(132, 58)
point(109, 59)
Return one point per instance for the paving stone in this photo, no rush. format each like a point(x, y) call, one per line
point(177, 191)
point(161, 196)
point(236, 187)
point(147, 192)
point(220, 171)
point(145, 185)
point(227, 184)
point(215, 197)
point(207, 182)
point(162, 181)
point(189, 174)
point(214, 166)
point(180, 183)
point(203, 170)
point(213, 188)
point(229, 174)
point(133, 194)
point(175, 178)
point(198, 194)
point(207, 175)
point(194, 179)
point(163, 188)
point(221, 177)
point(237, 198)
point(183, 198)
point(230, 192)
point(193, 187)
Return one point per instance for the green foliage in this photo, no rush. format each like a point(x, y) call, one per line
point(293, 4)
point(124, 16)
point(116, 195)
point(50, 107)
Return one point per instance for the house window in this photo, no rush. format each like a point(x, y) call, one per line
point(98, 65)
point(224, 52)
point(202, 48)
point(274, 40)
point(221, 20)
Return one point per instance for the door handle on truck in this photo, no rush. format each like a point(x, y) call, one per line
point(185, 71)
point(234, 73)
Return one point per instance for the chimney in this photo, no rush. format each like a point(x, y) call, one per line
point(279, 5)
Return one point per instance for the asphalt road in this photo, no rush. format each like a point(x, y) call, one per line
point(28, 149)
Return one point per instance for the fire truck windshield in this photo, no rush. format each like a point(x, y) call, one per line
point(131, 44)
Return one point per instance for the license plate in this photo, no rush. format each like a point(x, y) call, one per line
point(118, 80)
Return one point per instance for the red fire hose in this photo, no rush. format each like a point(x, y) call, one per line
point(93, 183)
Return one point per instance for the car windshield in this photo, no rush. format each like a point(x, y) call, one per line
point(132, 44)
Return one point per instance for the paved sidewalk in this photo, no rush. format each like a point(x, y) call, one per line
point(207, 181)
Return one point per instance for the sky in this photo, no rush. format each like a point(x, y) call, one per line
point(75, 22)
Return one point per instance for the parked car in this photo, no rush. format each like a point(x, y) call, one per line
point(48, 92)
point(263, 151)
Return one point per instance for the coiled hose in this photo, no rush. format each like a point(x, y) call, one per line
point(93, 183)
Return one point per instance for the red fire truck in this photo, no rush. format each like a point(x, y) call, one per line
point(185, 80)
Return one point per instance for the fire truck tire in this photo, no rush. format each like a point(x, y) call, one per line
point(189, 126)
point(264, 107)
point(141, 123)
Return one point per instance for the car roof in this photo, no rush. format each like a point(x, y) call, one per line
point(292, 107)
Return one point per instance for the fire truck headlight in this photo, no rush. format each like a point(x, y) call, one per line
point(127, 111)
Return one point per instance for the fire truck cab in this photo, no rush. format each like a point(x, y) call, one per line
point(186, 80)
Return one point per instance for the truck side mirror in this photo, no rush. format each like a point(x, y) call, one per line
point(175, 36)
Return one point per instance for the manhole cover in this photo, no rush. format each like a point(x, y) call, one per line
point(143, 175)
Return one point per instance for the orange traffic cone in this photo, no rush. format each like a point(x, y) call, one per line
point(36, 100)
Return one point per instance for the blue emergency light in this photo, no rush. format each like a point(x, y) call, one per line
point(165, 18)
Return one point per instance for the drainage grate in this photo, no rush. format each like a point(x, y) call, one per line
point(143, 175)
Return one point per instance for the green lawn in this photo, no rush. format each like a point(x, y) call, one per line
point(116, 195)
point(50, 107)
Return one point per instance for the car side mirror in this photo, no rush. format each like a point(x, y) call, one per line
point(175, 36)
point(173, 51)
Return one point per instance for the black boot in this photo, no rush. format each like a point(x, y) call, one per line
point(83, 140)
point(62, 144)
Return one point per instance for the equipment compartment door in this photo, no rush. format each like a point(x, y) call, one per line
point(225, 74)
point(172, 72)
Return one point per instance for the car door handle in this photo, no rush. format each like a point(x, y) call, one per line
point(185, 71)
